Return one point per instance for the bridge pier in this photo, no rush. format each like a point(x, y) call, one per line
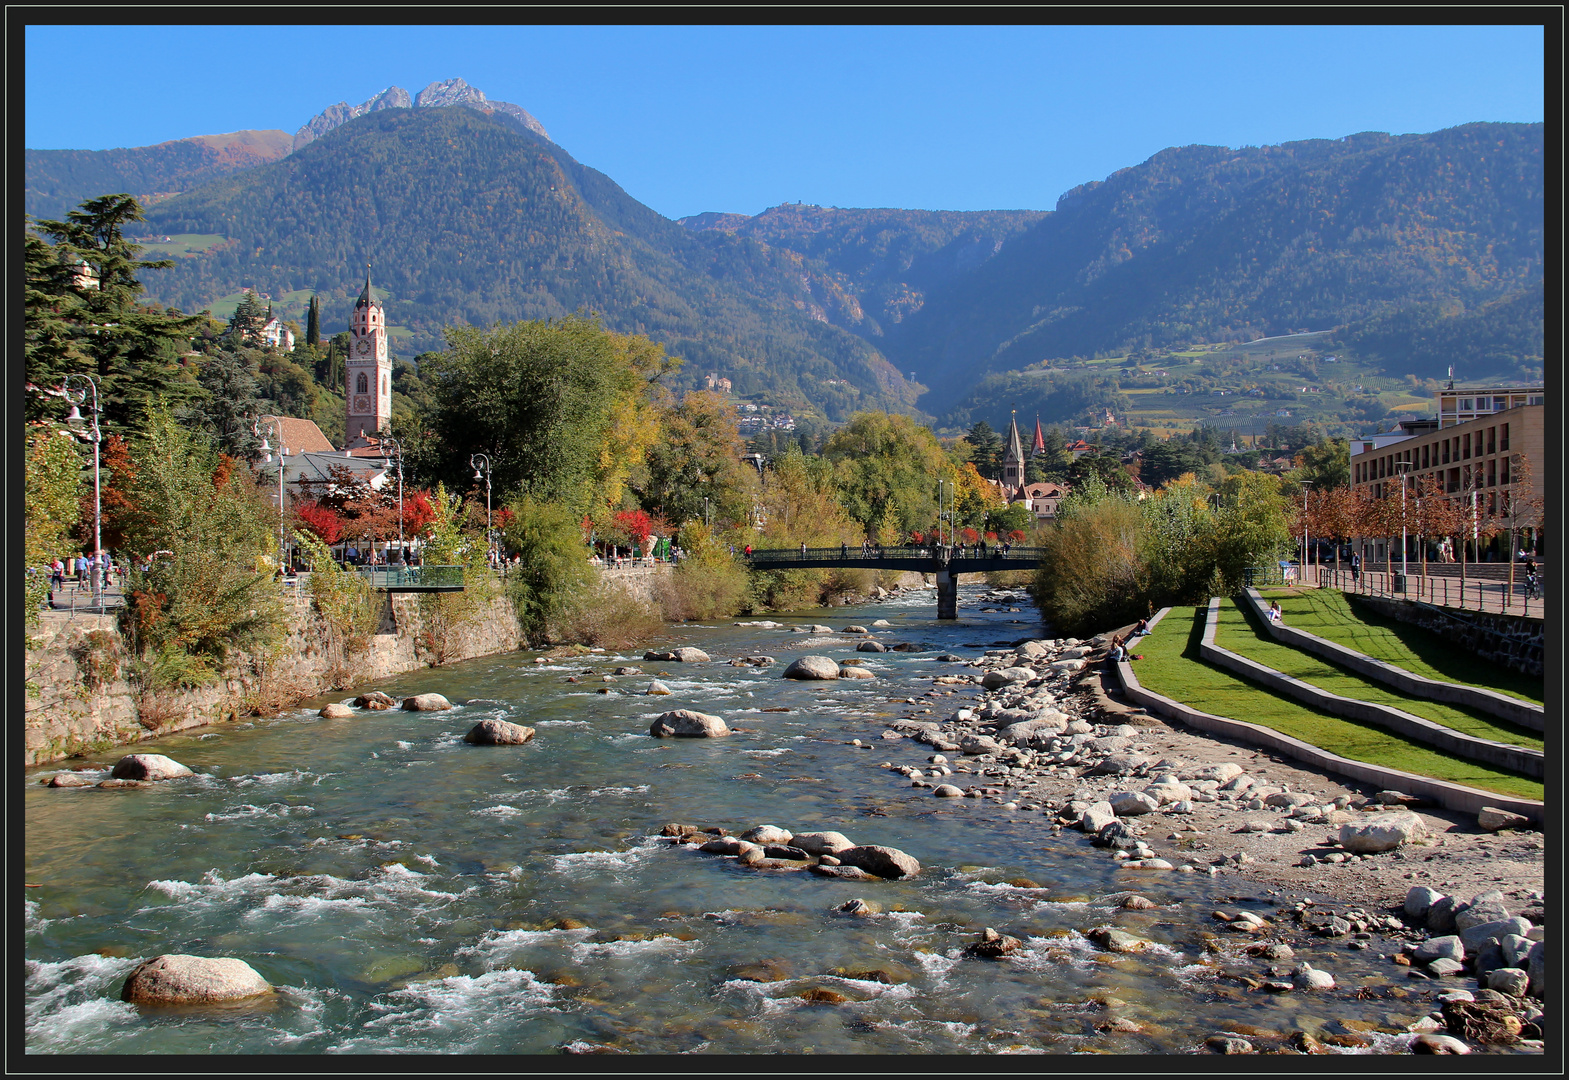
point(947, 594)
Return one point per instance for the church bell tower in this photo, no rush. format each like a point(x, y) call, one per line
point(367, 388)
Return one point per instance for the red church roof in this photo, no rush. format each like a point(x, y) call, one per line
point(1040, 440)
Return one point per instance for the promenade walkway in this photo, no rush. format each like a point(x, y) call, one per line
point(1489, 592)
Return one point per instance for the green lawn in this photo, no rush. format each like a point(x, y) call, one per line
point(1246, 637)
point(1172, 667)
point(1327, 613)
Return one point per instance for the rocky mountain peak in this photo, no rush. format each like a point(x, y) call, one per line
point(437, 95)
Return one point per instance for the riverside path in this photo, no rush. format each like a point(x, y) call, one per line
point(943, 562)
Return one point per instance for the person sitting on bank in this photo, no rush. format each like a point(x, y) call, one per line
point(1118, 652)
point(1274, 611)
point(1139, 629)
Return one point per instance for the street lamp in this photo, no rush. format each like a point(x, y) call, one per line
point(75, 418)
point(1305, 485)
point(1402, 468)
point(387, 463)
point(260, 426)
point(482, 471)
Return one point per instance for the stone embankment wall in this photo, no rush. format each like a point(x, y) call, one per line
point(639, 582)
point(1511, 641)
point(78, 697)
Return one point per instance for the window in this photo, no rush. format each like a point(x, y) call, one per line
point(1446, 452)
point(1492, 440)
point(1466, 446)
point(1503, 437)
point(1465, 405)
point(1503, 471)
point(362, 386)
point(1538, 399)
point(1425, 461)
point(1500, 404)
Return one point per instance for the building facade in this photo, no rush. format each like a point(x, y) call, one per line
point(1469, 453)
point(367, 389)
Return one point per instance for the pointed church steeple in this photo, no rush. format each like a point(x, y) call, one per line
point(1013, 457)
point(368, 295)
point(1040, 440)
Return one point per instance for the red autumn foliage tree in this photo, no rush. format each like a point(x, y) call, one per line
point(636, 524)
point(319, 520)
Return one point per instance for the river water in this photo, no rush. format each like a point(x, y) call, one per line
point(404, 890)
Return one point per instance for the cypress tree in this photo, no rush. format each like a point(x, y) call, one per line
point(313, 324)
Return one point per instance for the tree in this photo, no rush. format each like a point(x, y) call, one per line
point(1326, 463)
point(552, 566)
point(694, 470)
point(881, 458)
point(539, 397)
point(246, 324)
point(988, 449)
point(132, 350)
point(50, 509)
point(319, 521)
point(202, 523)
point(231, 404)
point(313, 323)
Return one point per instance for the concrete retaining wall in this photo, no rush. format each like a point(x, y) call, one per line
point(1451, 796)
point(69, 711)
point(639, 582)
point(1516, 758)
point(1515, 711)
point(1511, 641)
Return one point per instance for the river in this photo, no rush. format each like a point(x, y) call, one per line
point(407, 891)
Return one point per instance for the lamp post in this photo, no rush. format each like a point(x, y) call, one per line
point(1402, 468)
point(1305, 485)
point(259, 428)
point(482, 469)
point(75, 418)
point(387, 463)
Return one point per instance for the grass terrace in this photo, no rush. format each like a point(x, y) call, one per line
point(1327, 613)
point(1172, 667)
point(1242, 635)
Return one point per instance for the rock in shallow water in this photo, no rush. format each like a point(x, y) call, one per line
point(148, 767)
point(498, 733)
point(426, 703)
point(689, 724)
point(336, 711)
point(885, 862)
point(178, 979)
point(813, 667)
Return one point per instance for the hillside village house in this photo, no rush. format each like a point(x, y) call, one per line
point(1467, 449)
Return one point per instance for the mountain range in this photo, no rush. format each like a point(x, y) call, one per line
point(465, 210)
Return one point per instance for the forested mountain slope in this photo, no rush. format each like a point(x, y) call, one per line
point(471, 218)
point(1204, 243)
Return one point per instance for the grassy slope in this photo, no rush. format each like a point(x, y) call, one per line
point(1172, 667)
point(1243, 636)
point(1326, 612)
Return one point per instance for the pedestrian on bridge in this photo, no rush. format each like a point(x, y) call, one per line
point(803, 549)
point(844, 550)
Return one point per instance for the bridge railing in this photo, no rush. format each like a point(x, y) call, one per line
point(783, 557)
point(412, 577)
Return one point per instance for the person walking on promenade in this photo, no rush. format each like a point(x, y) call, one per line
point(1356, 567)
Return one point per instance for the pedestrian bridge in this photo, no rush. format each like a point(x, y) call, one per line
point(944, 562)
point(412, 578)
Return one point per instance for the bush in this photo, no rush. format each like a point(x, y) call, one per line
point(349, 608)
point(553, 568)
point(709, 582)
point(608, 617)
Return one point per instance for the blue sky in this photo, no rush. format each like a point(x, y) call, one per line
point(738, 119)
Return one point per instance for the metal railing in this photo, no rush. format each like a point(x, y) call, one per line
point(412, 577)
point(1443, 590)
point(850, 556)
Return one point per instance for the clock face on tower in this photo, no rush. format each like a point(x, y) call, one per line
point(363, 348)
point(362, 403)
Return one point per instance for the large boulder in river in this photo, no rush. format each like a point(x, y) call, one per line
point(147, 767)
point(813, 667)
point(767, 834)
point(822, 843)
point(689, 654)
point(374, 700)
point(336, 711)
point(426, 703)
point(848, 671)
point(1382, 832)
point(657, 689)
point(498, 733)
point(871, 646)
point(177, 979)
point(885, 862)
point(688, 724)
